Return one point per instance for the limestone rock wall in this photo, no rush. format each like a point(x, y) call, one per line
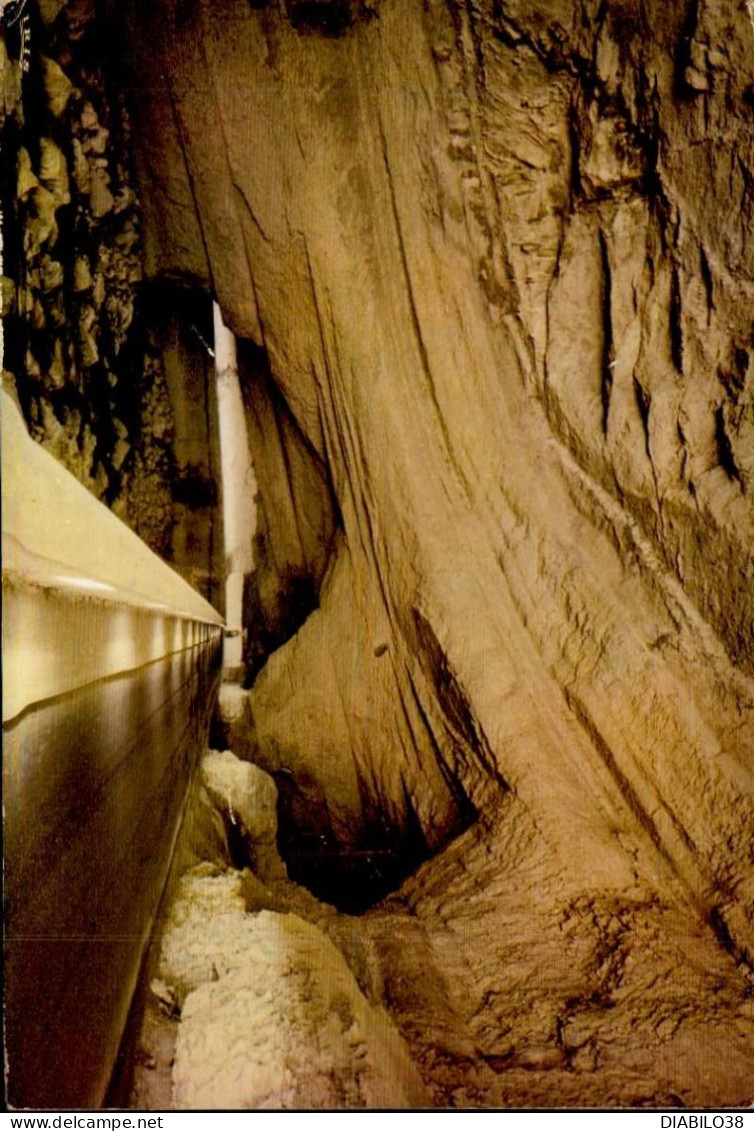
point(498, 258)
point(71, 255)
point(296, 515)
point(89, 346)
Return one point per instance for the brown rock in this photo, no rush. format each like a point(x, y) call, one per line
point(55, 375)
point(81, 172)
point(8, 300)
point(10, 84)
point(25, 178)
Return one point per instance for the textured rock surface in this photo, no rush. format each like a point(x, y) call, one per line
point(492, 294)
point(510, 984)
point(513, 987)
point(495, 261)
point(282, 1023)
point(296, 515)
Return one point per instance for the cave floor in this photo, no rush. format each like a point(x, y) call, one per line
point(508, 987)
point(512, 990)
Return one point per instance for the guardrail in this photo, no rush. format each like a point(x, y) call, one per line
point(110, 668)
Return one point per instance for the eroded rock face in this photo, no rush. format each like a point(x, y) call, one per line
point(492, 293)
point(296, 515)
point(514, 988)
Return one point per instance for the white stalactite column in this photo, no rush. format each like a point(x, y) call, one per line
point(239, 489)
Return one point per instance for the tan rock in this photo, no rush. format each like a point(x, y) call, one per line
point(41, 226)
point(26, 181)
point(82, 277)
point(51, 273)
point(88, 117)
point(58, 87)
point(120, 452)
point(8, 300)
point(53, 172)
point(50, 9)
point(499, 277)
point(56, 371)
point(10, 84)
point(81, 173)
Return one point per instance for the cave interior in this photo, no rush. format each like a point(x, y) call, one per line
point(479, 797)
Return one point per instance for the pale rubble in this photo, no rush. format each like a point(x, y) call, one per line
point(58, 87)
point(265, 1010)
point(275, 1018)
point(249, 797)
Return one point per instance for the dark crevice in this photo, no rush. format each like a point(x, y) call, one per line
point(608, 352)
point(351, 876)
point(707, 280)
point(725, 455)
point(675, 320)
point(575, 141)
point(722, 933)
point(282, 591)
point(356, 867)
point(466, 810)
point(643, 404)
point(331, 18)
point(237, 837)
point(270, 626)
point(733, 377)
point(464, 728)
point(580, 712)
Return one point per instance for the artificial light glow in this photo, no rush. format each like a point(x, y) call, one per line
point(84, 583)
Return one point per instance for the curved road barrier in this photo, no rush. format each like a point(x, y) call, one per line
point(110, 668)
